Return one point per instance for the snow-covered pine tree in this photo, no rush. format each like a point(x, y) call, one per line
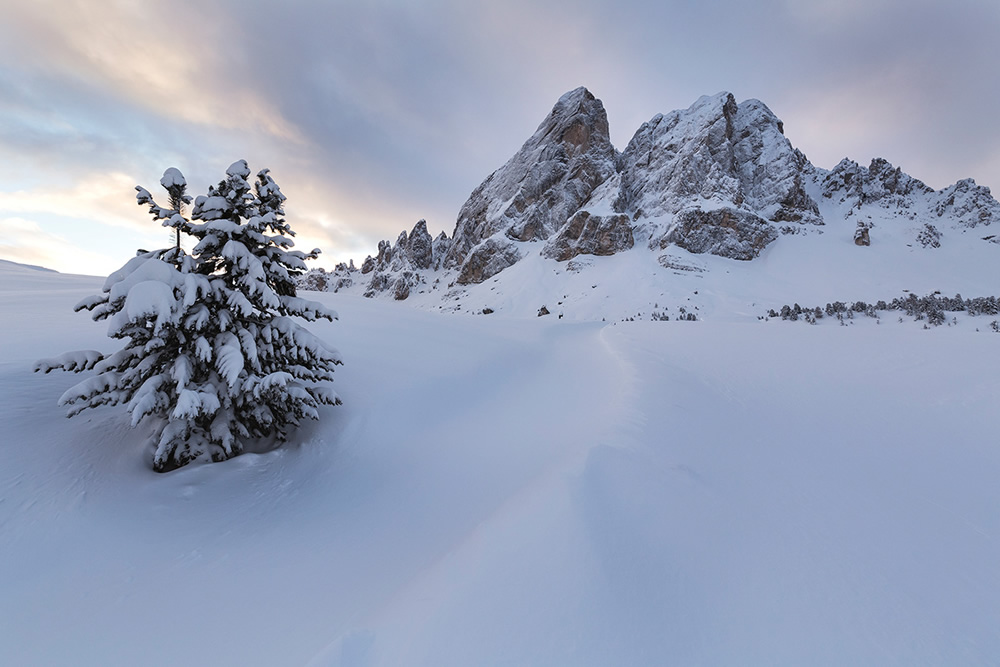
point(213, 357)
point(175, 184)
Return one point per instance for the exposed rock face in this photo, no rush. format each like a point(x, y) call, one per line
point(486, 260)
point(719, 151)
point(319, 280)
point(420, 247)
point(770, 171)
point(711, 178)
point(385, 251)
point(929, 236)
point(544, 183)
point(314, 280)
point(879, 183)
point(862, 237)
point(401, 286)
point(587, 234)
point(439, 250)
point(397, 267)
point(726, 232)
point(969, 204)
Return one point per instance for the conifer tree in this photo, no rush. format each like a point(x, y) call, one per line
point(213, 357)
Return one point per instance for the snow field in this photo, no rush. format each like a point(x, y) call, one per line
point(504, 490)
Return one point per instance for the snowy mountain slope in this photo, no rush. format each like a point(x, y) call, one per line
point(818, 267)
point(523, 490)
point(716, 179)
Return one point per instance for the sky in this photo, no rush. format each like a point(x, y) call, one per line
point(372, 115)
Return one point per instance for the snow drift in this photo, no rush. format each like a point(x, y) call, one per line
point(523, 490)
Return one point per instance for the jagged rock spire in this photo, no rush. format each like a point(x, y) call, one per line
point(545, 182)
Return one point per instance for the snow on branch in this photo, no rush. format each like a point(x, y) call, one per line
point(82, 360)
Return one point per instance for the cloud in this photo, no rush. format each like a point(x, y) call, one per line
point(373, 115)
point(174, 64)
point(106, 198)
point(27, 242)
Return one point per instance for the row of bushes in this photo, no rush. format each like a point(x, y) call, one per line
point(931, 307)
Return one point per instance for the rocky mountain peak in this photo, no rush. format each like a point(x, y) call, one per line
point(879, 182)
point(969, 204)
point(543, 184)
point(719, 177)
point(578, 116)
point(717, 152)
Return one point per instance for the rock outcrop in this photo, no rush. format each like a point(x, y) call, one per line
point(420, 247)
point(486, 260)
point(881, 183)
point(587, 234)
point(969, 204)
point(862, 234)
point(726, 232)
point(399, 268)
point(717, 154)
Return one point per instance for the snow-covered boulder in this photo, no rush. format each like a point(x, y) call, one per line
point(862, 234)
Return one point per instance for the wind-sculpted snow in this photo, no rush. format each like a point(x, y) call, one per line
point(534, 491)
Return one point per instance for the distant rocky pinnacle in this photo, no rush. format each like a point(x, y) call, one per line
point(718, 177)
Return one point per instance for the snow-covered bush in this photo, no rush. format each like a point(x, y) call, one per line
point(212, 357)
point(931, 308)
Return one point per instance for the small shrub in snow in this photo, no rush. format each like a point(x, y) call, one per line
point(929, 236)
point(212, 356)
point(930, 308)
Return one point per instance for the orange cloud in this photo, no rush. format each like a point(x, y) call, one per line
point(108, 199)
point(27, 242)
point(175, 69)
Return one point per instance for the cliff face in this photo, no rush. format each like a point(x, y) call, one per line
point(543, 184)
point(568, 186)
point(715, 152)
point(719, 177)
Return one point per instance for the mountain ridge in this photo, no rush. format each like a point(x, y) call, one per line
point(718, 178)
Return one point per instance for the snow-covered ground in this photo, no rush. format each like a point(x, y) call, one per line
point(515, 490)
